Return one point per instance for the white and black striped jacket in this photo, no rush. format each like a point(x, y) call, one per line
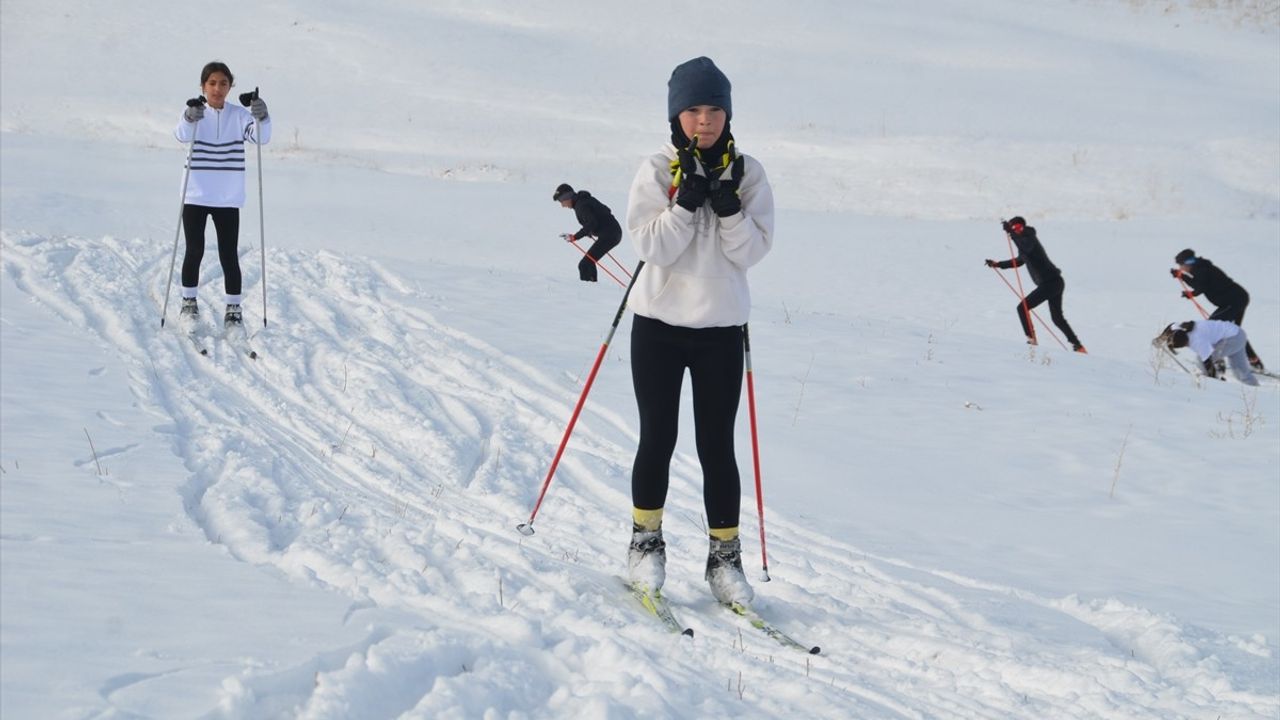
point(217, 160)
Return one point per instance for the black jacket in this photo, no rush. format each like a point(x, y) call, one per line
point(596, 218)
point(1031, 253)
point(1206, 279)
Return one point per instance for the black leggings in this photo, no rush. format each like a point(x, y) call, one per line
point(660, 353)
point(226, 220)
point(1051, 290)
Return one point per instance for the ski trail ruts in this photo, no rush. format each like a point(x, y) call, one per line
point(270, 487)
point(928, 620)
point(595, 466)
point(221, 503)
point(941, 636)
point(275, 482)
point(395, 478)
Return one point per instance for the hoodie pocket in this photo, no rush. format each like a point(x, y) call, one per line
point(692, 299)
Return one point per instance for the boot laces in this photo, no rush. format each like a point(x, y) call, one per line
point(647, 542)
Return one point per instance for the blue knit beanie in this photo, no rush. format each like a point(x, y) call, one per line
point(698, 82)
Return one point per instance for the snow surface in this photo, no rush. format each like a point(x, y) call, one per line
point(967, 527)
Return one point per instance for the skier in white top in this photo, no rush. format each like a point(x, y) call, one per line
point(1214, 340)
point(700, 215)
point(215, 188)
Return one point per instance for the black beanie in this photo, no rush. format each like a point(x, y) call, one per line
point(1017, 220)
point(1184, 256)
point(562, 192)
point(698, 82)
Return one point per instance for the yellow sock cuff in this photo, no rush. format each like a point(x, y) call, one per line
point(647, 519)
point(724, 534)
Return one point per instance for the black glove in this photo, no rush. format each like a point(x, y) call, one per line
point(725, 199)
point(693, 181)
point(1175, 272)
point(991, 263)
point(1004, 224)
point(195, 110)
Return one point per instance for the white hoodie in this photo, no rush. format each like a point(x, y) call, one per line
point(1206, 334)
point(696, 262)
point(217, 161)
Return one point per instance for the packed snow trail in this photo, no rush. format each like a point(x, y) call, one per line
point(374, 450)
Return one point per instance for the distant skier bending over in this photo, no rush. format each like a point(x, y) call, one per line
point(597, 221)
point(1207, 279)
point(1213, 340)
point(1046, 276)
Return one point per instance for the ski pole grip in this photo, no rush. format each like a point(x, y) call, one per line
point(196, 101)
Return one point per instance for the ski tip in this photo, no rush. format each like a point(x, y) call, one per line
point(687, 632)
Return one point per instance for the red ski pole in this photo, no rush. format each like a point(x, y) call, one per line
point(1034, 314)
point(526, 528)
point(755, 449)
point(1026, 311)
point(599, 264)
point(1187, 292)
point(621, 267)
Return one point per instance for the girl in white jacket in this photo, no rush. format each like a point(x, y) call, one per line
point(700, 215)
point(215, 188)
point(1214, 340)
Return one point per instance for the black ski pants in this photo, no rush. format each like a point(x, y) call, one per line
point(595, 254)
point(1234, 313)
point(1050, 290)
point(226, 221)
point(660, 354)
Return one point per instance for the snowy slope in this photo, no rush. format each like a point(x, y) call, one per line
point(968, 529)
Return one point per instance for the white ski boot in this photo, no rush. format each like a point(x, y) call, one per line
point(189, 315)
point(647, 559)
point(724, 573)
point(233, 317)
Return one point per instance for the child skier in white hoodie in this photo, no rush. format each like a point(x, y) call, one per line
point(700, 214)
point(1214, 340)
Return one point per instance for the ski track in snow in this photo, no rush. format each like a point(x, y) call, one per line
point(374, 450)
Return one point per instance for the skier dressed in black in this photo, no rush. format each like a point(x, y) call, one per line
point(597, 221)
point(1046, 276)
point(1205, 278)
